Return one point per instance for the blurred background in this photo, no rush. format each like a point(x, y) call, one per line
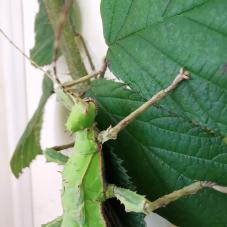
point(34, 199)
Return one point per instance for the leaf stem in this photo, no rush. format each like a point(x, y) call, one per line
point(111, 133)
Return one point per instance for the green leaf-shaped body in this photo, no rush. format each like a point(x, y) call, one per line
point(82, 116)
point(82, 193)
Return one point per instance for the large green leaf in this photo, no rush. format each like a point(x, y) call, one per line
point(164, 152)
point(28, 146)
point(150, 40)
point(41, 53)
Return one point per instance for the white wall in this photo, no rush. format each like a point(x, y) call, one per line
point(35, 198)
point(15, 195)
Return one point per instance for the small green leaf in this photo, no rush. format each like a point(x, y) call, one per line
point(54, 156)
point(55, 223)
point(29, 144)
point(41, 53)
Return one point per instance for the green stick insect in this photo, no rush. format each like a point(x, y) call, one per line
point(82, 179)
point(84, 189)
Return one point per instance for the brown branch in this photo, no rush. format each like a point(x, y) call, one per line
point(111, 133)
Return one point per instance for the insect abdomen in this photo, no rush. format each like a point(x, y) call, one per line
point(82, 194)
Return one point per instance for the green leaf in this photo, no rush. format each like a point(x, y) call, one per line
point(164, 152)
point(55, 223)
point(150, 40)
point(29, 144)
point(41, 53)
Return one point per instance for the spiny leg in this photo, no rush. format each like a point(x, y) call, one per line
point(111, 133)
point(69, 85)
point(134, 202)
point(53, 154)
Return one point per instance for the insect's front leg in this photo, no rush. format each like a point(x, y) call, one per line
point(111, 133)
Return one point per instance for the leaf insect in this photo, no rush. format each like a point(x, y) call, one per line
point(84, 189)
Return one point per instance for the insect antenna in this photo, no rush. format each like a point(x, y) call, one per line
point(46, 73)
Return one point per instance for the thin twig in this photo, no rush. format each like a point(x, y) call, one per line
point(86, 50)
point(188, 190)
point(62, 147)
point(46, 73)
point(111, 133)
point(81, 80)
